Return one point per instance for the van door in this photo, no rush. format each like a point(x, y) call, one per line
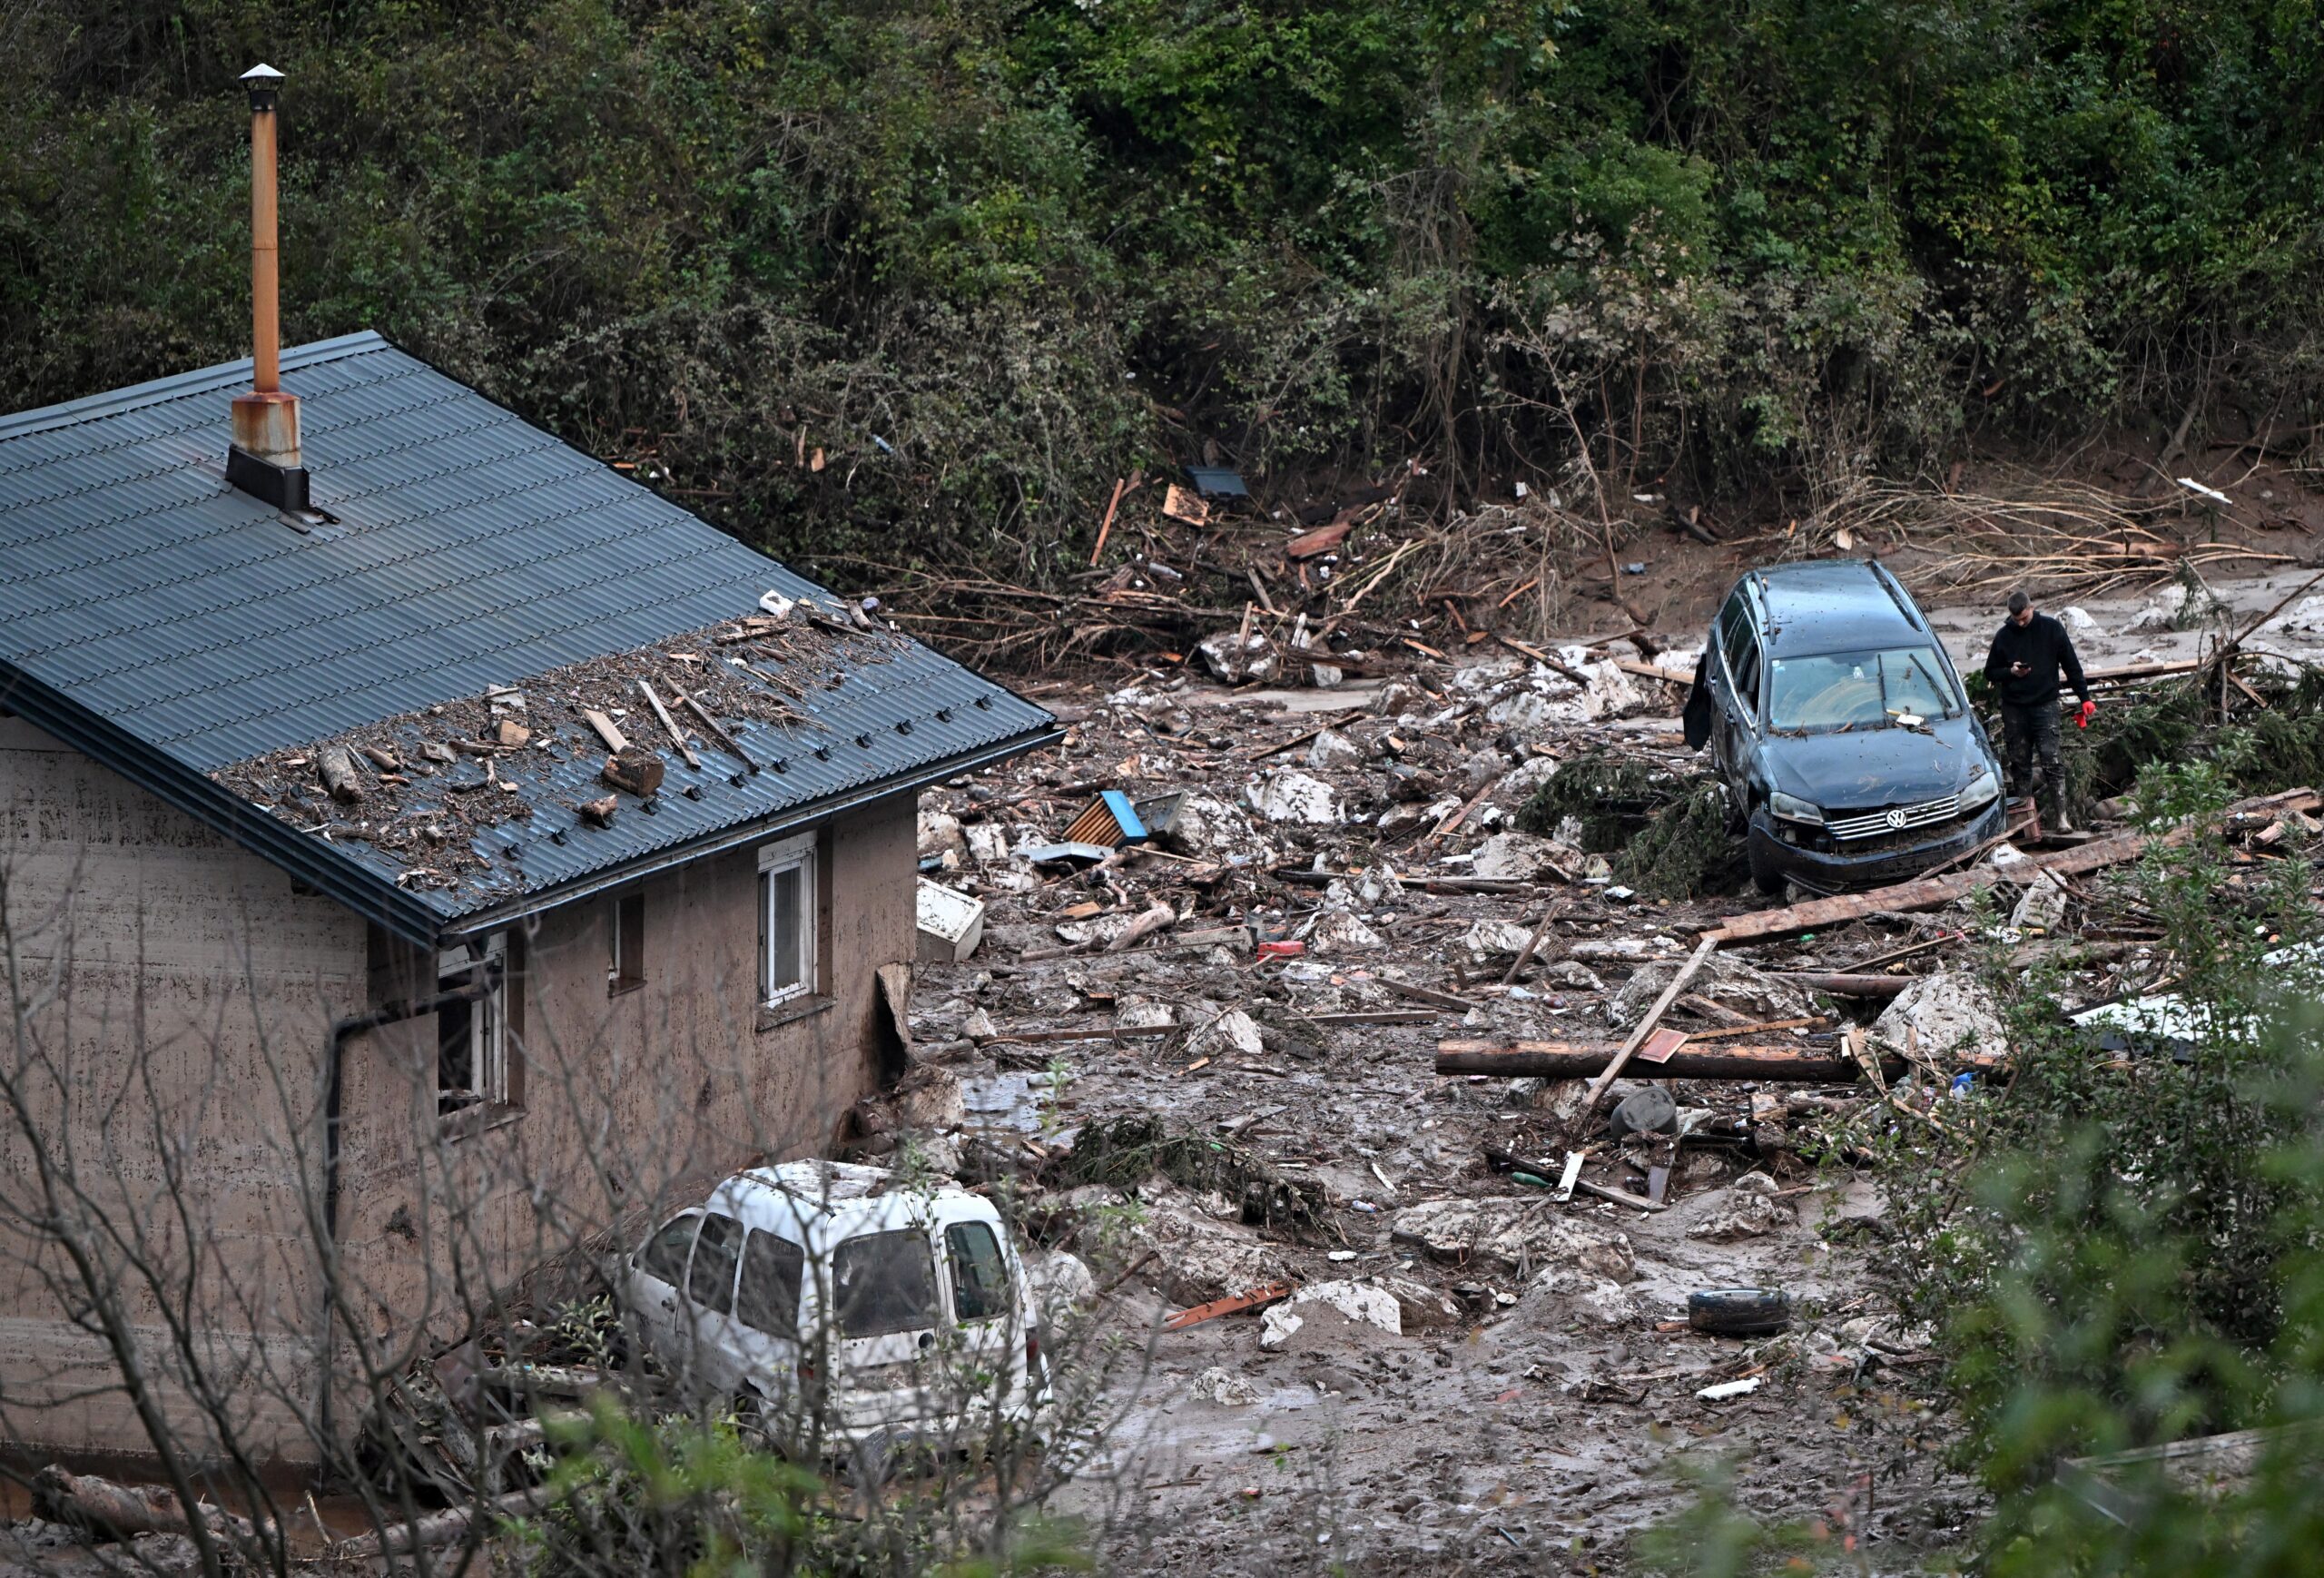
point(766, 1313)
point(885, 1315)
point(988, 1325)
point(657, 1274)
point(716, 1358)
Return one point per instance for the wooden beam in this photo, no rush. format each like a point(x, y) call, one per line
point(676, 734)
point(1645, 1027)
point(614, 740)
point(1775, 1063)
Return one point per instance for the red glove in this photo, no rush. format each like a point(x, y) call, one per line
point(2089, 710)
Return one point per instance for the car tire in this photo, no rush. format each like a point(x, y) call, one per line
point(1764, 875)
point(1739, 1311)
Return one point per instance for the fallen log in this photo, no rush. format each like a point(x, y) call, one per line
point(1583, 1060)
point(1846, 985)
point(111, 1511)
point(1928, 892)
point(445, 1528)
point(336, 766)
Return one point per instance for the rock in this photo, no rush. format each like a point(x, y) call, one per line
point(1593, 1299)
point(1648, 1111)
point(1228, 1391)
point(1942, 1014)
point(2043, 905)
point(2166, 610)
point(1371, 1306)
point(1745, 1208)
point(939, 833)
point(1207, 828)
point(1490, 939)
point(2076, 621)
point(1418, 1305)
point(1276, 1327)
point(1290, 796)
point(1513, 1233)
point(1134, 1012)
point(1574, 973)
point(1196, 1260)
point(2306, 616)
point(1062, 1286)
point(1332, 750)
point(1341, 932)
point(1232, 1034)
point(1529, 713)
point(1621, 951)
point(1377, 885)
point(1524, 778)
point(979, 1025)
point(1520, 857)
point(1728, 981)
point(988, 842)
point(1482, 767)
point(1480, 677)
point(2008, 857)
point(1233, 658)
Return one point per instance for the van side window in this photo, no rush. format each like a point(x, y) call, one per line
point(710, 1280)
point(768, 1299)
point(665, 1252)
point(980, 1287)
point(884, 1282)
point(1746, 669)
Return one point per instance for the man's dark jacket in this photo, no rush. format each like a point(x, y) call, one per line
point(2045, 647)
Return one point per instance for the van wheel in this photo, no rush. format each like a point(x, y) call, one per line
point(1764, 876)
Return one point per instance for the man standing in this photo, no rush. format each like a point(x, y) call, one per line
point(2028, 651)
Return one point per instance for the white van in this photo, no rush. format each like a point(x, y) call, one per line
point(858, 1305)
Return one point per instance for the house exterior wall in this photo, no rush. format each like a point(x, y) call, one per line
point(181, 993)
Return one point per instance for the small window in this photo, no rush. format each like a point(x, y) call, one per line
point(710, 1279)
point(665, 1251)
point(787, 920)
point(980, 1287)
point(472, 1052)
point(772, 1269)
point(626, 971)
point(883, 1283)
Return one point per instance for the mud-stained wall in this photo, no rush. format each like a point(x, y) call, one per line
point(179, 995)
point(177, 991)
point(629, 1100)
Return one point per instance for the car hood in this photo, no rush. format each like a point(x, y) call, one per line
point(1865, 768)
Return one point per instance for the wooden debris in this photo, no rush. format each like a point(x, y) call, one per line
point(1775, 1063)
point(613, 737)
point(1324, 540)
point(1274, 1293)
point(443, 1528)
point(638, 772)
point(513, 733)
point(732, 746)
point(677, 736)
point(111, 1511)
point(1645, 1026)
point(383, 760)
point(1181, 504)
point(1846, 985)
point(336, 766)
point(599, 811)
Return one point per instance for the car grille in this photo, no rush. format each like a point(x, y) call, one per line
point(1895, 819)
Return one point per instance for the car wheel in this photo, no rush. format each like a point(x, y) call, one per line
point(1739, 1311)
point(1764, 875)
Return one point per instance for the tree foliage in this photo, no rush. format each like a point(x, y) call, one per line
point(987, 255)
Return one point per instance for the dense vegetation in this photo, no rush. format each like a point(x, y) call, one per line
point(987, 255)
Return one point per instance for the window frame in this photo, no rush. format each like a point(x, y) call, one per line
point(496, 1079)
point(799, 854)
point(955, 1266)
point(625, 962)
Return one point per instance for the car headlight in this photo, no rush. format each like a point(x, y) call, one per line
point(1983, 787)
point(1792, 808)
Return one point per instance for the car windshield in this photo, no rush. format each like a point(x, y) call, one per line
point(1848, 690)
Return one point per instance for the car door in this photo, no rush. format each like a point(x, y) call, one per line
point(766, 1312)
point(715, 1356)
point(885, 1314)
point(658, 1278)
point(988, 1346)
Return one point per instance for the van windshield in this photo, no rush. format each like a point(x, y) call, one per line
point(1849, 690)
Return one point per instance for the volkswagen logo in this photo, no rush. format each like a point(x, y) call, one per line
point(1896, 817)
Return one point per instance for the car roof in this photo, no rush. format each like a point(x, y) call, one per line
point(829, 1200)
point(1836, 605)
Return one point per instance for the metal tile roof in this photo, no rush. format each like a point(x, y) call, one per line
point(171, 626)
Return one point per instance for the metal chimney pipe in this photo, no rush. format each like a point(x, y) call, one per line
point(264, 459)
point(266, 327)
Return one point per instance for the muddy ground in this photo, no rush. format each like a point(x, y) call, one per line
point(1512, 1392)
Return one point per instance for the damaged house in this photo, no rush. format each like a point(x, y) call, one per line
point(427, 849)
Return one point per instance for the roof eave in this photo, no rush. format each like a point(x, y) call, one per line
point(745, 832)
point(298, 854)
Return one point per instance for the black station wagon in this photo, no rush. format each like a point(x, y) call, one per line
point(1839, 727)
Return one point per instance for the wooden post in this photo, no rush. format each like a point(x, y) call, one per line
point(1645, 1028)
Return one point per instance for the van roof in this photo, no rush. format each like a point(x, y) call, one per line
point(1836, 605)
point(832, 1198)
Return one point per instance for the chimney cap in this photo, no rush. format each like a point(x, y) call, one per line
point(262, 78)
